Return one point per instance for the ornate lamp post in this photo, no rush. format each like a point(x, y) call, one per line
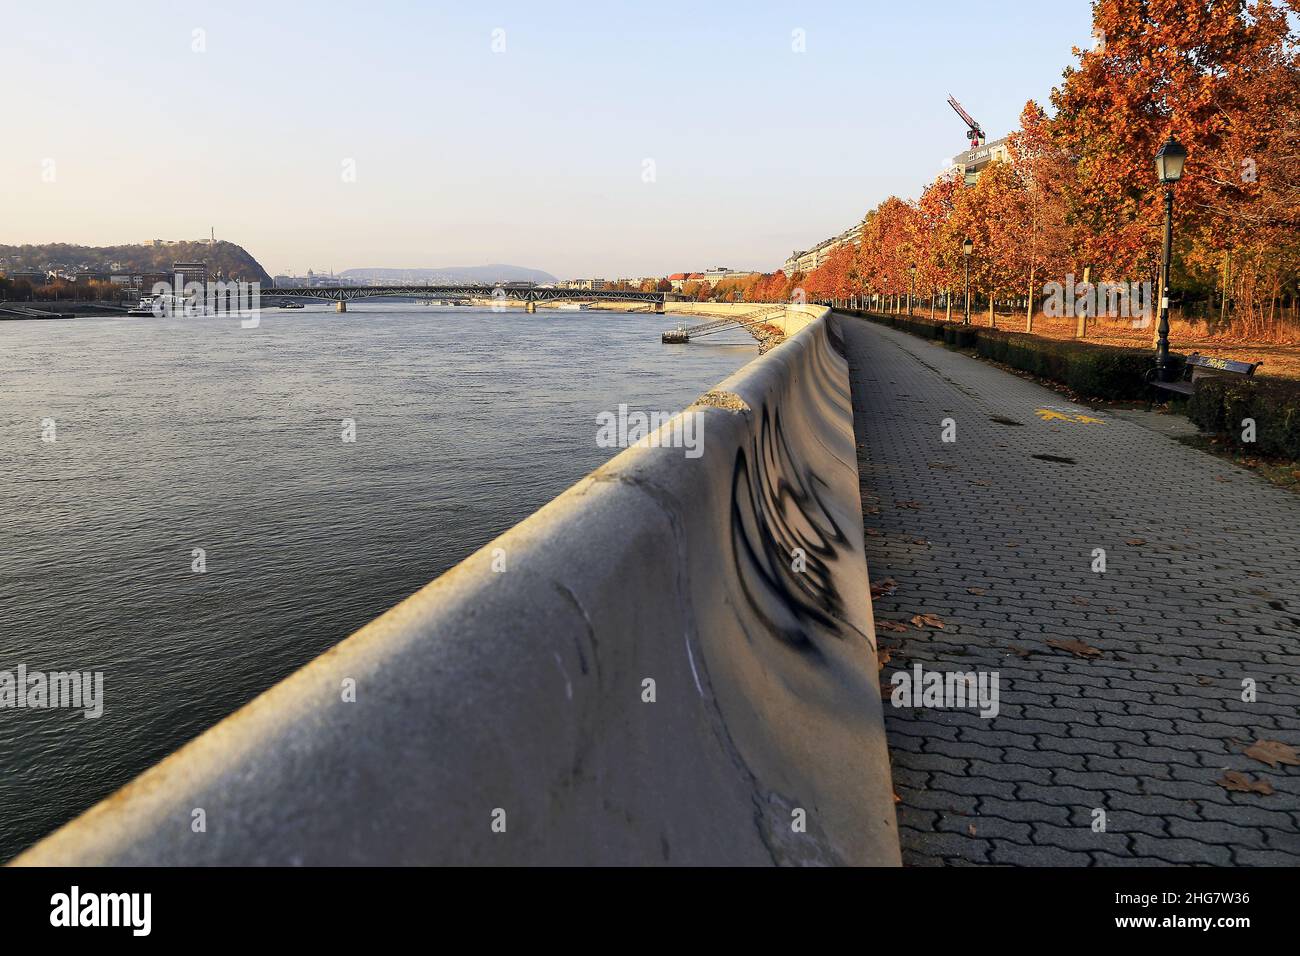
point(1169, 169)
point(967, 247)
point(911, 291)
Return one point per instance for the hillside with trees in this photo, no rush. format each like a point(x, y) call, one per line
point(230, 260)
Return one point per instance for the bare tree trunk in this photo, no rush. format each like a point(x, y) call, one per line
point(1029, 311)
point(1227, 277)
point(1081, 320)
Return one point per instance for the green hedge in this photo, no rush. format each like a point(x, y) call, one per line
point(1222, 404)
point(1094, 371)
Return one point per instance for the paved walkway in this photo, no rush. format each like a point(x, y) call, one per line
point(1201, 591)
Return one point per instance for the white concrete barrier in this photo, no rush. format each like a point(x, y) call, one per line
point(649, 680)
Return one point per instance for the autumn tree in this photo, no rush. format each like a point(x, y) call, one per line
point(1040, 209)
point(1161, 66)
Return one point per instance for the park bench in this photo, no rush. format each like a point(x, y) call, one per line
point(1196, 368)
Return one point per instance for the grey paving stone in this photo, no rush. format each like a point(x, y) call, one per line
point(1179, 620)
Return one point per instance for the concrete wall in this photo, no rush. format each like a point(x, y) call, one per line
point(519, 695)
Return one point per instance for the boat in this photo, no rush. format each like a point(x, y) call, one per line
point(292, 305)
point(165, 304)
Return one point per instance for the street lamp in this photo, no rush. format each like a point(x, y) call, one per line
point(967, 247)
point(1169, 169)
point(911, 271)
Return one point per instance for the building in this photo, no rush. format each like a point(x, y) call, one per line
point(587, 285)
point(969, 164)
point(809, 259)
point(196, 272)
point(712, 276)
point(721, 274)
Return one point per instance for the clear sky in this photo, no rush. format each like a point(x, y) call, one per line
point(121, 130)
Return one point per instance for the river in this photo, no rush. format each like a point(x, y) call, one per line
point(179, 436)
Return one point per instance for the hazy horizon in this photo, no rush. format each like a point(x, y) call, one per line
point(580, 140)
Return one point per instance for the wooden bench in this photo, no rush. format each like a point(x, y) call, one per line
point(1196, 368)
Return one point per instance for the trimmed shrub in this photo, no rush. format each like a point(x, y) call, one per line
point(959, 336)
point(1094, 371)
point(1222, 404)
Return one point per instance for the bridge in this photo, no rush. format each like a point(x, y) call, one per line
point(529, 294)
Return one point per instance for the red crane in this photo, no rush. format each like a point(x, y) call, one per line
point(975, 133)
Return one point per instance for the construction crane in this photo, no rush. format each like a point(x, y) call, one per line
point(976, 132)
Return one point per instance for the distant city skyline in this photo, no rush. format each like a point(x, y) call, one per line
point(576, 139)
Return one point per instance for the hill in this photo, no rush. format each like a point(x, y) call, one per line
point(232, 261)
point(490, 273)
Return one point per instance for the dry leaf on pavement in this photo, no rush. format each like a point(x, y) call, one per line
point(886, 625)
point(922, 621)
point(1075, 646)
point(885, 587)
point(1239, 782)
point(1273, 752)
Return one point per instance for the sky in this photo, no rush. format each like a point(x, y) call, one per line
point(586, 139)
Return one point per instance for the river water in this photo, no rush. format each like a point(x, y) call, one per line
point(174, 435)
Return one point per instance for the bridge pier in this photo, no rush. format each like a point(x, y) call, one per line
point(341, 306)
point(530, 306)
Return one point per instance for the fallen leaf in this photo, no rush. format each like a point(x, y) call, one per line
point(976, 591)
point(1136, 542)
point(922, 621)
point(883, 656)
point(1205, 681)
point(1273, 752)
point(885, 625)
point(941, 464)
point(872, 532)
point(884, 588)
point(1075, 646)
point(1018, 650)
point(971, 829)
point(914, 505)
point(919, 541)
point(1079, 600)
point(981, 482)
point(1240, 783)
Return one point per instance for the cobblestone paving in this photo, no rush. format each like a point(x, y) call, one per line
point(1201, 591)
